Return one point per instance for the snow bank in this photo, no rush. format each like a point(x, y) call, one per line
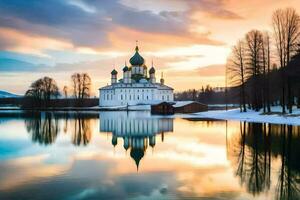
point(182, 103)
point(250, 116)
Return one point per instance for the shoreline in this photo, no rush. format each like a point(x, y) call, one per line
point(249, 116)
point(233, 114)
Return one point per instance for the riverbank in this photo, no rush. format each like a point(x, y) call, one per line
point(275, 117)
point(112, 108)
point(94, 108)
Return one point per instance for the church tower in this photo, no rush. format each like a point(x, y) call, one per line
point(126, 74)
point(114, 74)
point(162, 80)
point(152, 74)
point(138, 63)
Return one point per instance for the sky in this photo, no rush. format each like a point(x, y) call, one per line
point(188, 40)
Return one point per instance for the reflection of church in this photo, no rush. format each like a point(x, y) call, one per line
point(138, 130)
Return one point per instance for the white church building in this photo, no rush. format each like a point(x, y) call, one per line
point(137, 87)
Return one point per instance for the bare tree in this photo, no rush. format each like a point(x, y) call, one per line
point(268, 63)
point(65, 90)
point(254, 41)
point(81, 85)
point(266, 72)
point(43, 89)
point(236, 71)
point(286, 26)
point(86, 85)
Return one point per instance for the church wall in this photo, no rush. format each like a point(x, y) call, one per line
point(134, 96)
point(132, 125)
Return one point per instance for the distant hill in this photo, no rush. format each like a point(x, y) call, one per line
point(4, 94)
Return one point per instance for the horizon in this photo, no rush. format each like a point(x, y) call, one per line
point(183, 38)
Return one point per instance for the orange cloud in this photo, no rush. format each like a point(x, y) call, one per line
point(156, 41)
point(30, 44)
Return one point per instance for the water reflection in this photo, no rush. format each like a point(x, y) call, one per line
point(100, 152)
point(43, 127)
point(136, 131)
point(82, 133)
point(252, 153)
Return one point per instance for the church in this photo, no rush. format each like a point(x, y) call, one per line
point(137, 87)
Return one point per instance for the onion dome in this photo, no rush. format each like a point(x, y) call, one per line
point(114, 72)
point(152, 70)
point(125, 69)
point(137, 155)
point(126, 143)
point(114, 140)
point(137, 59)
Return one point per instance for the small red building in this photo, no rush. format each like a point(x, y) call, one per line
point(166, 108)
point(190, 107)
point(163, 108)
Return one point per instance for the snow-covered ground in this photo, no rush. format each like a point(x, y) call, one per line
point(250, 116)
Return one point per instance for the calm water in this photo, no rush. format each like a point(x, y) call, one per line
point(119, 155)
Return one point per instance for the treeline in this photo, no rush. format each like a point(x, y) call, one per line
point(45, 92)
point(267, 76)
point(208, 95)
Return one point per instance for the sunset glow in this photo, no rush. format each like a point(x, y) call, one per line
point(181, 37)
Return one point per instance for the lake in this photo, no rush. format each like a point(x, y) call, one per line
point(133, 155)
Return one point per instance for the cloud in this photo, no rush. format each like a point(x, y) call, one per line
point(93, 24)
point(212, 70)
point(11, 65)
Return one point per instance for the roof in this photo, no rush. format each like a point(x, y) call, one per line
point(152, 70)
point(137, 85)
point(125, 69)
point(184, 103)
point(114, 72)
point(137, 59)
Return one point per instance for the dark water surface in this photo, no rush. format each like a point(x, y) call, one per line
point(120, 155)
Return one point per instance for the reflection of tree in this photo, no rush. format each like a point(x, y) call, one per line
point(252, 151)
point(256, 166)
point(66, 120)
point(43, 127)
point(288, 186)
point(82, 131)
